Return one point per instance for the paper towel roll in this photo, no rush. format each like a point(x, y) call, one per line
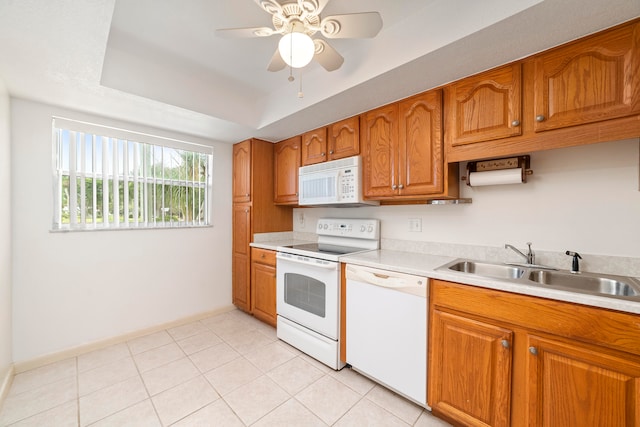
point(497, 177)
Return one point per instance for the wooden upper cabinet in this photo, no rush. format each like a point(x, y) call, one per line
point(578, 385)
point(380, 152)
point(420, 161)
point(242, 172)
point(402, 149)
point(314, 146)
point(344, 138)
point(486, 106)
point(590, 80)
point(287, 163)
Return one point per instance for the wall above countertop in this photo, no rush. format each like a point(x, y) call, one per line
point(585, 199)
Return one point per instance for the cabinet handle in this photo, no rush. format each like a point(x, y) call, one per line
point(246, 211)
point(296, 194)
point(330, 151)
point(394, 187)
point(515, 123)
point(533, 350)
point(323, 154)
point(262, 256)
point(401, 186)
point(505, 343)
point(247, 195)
point(540, 118)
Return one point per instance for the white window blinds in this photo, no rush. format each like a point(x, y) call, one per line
point(108, 178)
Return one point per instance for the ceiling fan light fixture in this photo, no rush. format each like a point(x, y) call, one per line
point(296, 49)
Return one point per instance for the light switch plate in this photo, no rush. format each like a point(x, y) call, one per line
point(415, 224)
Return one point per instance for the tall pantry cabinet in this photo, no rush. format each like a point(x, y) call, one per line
point(253, 210)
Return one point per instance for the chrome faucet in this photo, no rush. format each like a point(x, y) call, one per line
point(530, 256)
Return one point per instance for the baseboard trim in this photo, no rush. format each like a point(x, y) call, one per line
point(5, 385)
point(47, 359)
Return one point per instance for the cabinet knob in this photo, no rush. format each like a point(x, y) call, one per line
point(394, 187)
point(323, 154)
point(515, 123)
point(540, 118)
point(505, 343)
point(330, 151)
point(246, 211)
point(401, 186)
point(296, 194)
point(533, 350)
point(262, 256)
point(247, 195)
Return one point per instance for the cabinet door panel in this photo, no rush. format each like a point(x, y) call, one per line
point(590, 80)
point(571, 385)
point(344, 138)
point(263, 292)
point(287, 163)
point(241, 223)
point(314, 146)
point(486, 106)
point(470, 370)
point(420, 136)
point(242, 172)
point(380, 152)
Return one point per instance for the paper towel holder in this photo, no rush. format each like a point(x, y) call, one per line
point(518, 162)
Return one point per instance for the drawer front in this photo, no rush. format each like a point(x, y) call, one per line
point(263, 256)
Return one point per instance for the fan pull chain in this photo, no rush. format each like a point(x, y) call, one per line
point(291, 78)
point(300, 93)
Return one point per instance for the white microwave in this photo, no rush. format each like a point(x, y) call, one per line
point(338, 183)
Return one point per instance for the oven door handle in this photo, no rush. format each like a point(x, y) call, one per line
point(327, 266)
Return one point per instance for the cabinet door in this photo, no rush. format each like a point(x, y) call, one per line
point(590, 80)
point(314, 146)
point(263, 292)
point(421, 164)
point(287, 163)
point(242, 172)
point(380, 152)
point(240, 263)
point(469, 376)
point(572, 385)
point(486, 106)
point(344, 138)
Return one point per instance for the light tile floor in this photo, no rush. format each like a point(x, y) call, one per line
point(225, 370)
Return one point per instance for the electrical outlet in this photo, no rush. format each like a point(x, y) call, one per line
point(301, 220)
point(415, 224)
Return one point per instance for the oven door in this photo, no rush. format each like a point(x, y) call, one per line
point(308, 292)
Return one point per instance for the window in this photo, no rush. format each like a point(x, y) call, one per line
point(108, 178)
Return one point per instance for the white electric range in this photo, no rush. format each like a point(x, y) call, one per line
point(308, 285)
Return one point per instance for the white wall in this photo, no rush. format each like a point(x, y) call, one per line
point(585, 199)
point(5, 237)
point(75, 288)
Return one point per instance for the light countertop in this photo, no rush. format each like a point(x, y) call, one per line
point(426, 265)
point(272, 245)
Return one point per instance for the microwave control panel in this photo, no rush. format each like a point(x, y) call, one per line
point(347, 185)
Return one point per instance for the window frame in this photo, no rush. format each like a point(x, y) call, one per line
point(139, 175)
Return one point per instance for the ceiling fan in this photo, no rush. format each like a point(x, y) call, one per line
point(297, 21)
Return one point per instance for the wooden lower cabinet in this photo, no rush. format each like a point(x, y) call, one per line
point(574, 386)
point(475, 393)
point(263, 285)
point(503, 359)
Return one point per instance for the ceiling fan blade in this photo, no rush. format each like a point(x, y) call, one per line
point(233, 33)
point(312, 7)
point(352, 25)
point(327, 56)
point(276, 63)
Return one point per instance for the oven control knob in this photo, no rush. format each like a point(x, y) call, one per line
point(326, 226)
point(370, 228)
point(362, 228)
point(319, 226)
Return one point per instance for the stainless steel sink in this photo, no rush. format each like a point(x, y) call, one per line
point(499, 271)
point(586, 282)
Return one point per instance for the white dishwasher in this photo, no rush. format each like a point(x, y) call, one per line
point(386, 316)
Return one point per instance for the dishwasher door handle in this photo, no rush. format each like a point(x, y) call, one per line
point(379, 278)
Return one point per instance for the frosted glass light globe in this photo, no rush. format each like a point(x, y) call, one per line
point(296, 49)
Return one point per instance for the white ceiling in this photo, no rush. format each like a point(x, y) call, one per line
point(159, 62)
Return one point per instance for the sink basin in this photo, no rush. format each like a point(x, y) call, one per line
point(499, 271)
point(586, 283)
